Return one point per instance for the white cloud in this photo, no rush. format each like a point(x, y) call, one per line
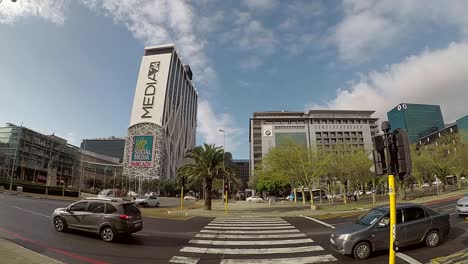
point(162, 21)
point(250, 34)
point(51, 10)
point(432, 77)
point(371, 25)
point(209, 124)
point(251, 63)
point(260, 4)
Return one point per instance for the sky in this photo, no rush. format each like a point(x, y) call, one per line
point(246, 56)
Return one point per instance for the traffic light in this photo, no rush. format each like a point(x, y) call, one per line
point(226, 187)
point(182, 181)
point(403, 153)
point(380, 166)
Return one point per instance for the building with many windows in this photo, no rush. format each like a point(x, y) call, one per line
point(418, 120)
point(112, 146)
point(242, 169)
point(31, 156)
point(459, 126)
point(314, 129)
point(163, 120)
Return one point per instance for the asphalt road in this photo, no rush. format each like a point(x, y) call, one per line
point(26, 221)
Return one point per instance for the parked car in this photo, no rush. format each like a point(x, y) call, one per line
point(147, 200)
point(108, 193)
point(190, 198)
point(108, 217)
point(370, 232)
point(254, 199)
point(462, 205)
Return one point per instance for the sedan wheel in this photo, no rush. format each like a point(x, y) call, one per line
point(433, 239)
point(157, 204)
point(107, 234)
point(362, 251)
point(59, 224)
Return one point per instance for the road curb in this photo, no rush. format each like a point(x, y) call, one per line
point(448, 199)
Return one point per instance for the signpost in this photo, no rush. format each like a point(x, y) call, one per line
point(391, 155)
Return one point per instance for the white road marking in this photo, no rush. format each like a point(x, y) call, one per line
point(318, 221)
point(248, 224)
point(250, 232)
point(249, 227)
point(139, 234)
point(251, 242)
point(19, 208)
point(184, 260)
point(251, 251)
point(249, 236)
point(303, 260)
point(249, 219)
point(454, 213)
point(407, 258)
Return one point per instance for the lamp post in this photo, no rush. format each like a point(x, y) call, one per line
point(224, 168)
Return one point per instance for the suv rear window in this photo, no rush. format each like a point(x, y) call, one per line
point(130, 209)
point(110, 209)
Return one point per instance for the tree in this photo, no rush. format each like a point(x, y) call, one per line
point(294, 163)
point(422, 166)
point(207, 164)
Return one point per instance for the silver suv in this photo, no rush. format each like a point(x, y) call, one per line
point(108, 217)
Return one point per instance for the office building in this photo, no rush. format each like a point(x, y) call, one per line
point(314, 129)
point(242, 168)
point(111, 147)
point(31, 156)
point(418, 120)
point(163, 120)
point(459, 126)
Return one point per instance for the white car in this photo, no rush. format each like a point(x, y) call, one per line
point(254, 199)
point(146, 200)
point(462, 205)
point(190, 198)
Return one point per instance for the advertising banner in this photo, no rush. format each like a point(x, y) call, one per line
point(142, 151)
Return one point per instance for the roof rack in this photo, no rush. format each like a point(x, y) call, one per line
point(110, 199)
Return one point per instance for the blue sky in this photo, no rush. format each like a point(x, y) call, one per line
point(71, 66)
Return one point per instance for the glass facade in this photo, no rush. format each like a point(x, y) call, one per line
point(108, 147)
point(417, 119)
point(462, 125)
point(284, 137)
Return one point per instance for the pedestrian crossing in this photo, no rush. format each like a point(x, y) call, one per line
point(251, 240)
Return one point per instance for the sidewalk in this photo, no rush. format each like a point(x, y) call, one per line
point(42, 196)
point(12, 253)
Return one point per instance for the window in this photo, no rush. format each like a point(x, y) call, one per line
point(110, 209)
point(79, 207)
point(414, 213)
point(96, 208)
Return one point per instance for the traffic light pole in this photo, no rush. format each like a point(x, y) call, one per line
point(182, 198)
point(391, 194)
point(226, 204)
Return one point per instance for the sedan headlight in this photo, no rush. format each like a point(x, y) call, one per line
point(344, 236)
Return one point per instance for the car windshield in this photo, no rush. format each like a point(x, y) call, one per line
point(371, 217)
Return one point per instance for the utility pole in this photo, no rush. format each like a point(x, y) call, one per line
point(13, 168)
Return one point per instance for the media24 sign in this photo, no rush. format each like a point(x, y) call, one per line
point(142, 151)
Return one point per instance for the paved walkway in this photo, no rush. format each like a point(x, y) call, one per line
point(12, 253)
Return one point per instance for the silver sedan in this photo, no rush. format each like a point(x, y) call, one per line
point(462, 205)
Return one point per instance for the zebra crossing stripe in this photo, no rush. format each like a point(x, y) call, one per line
point(249, 236)
point(249, 219)
point(251, 242)
point(251, 251)
point(184, 260)
point(248, 224)
point(300, 260)
point(249, 227)
point(250, 232)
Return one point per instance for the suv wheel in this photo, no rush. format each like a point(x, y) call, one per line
point(107, 234)
point(362, 250)
point(60, 224)
point(157, 204)
point(432, 239)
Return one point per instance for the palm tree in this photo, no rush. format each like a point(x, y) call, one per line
point(207, 163)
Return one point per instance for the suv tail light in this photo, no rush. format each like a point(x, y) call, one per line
point(125, 217)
